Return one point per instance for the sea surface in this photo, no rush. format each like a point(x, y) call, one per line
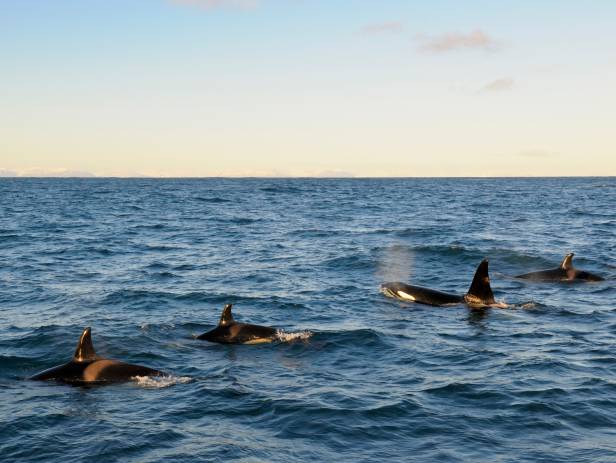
point(356, 377)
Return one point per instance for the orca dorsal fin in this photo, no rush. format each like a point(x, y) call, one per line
point(226, 318)
point(85, 349)
point(480, 291)
point(567, 262)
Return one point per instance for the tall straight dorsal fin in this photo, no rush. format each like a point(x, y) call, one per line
point(480, 290)
point(85, 349)
point(567, 262)
point(227, 317)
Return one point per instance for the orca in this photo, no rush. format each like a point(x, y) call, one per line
point(86, 367)
point(479, 294)
point(229, 331)
point(565, 272)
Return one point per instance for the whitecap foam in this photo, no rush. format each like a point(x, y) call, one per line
point(156, 382)
point(283, 336)
point(501, 305)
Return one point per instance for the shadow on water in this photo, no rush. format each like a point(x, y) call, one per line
point(478, 317)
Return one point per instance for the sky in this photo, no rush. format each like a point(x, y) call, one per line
point(365, 88)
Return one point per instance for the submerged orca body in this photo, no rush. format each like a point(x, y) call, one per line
point(565, 272)
point(229, 331)
point(479, 294)
point(88, 368)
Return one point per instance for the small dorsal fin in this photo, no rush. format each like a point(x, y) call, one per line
point(85, 349)
point(480, 290)
point(567, 262)
point(226, 318)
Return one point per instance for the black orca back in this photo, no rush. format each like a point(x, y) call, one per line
point(564, 272)
point(229, 331)
point(88, 368)
point(70, 372)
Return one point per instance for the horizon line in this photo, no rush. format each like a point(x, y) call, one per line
point(103, 177)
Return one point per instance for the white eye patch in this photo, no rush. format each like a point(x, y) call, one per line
point(403, 295)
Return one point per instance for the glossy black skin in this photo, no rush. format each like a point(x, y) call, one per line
point(558, 274)
point(88, 368)
point(73, 372)
point(229, 331)
point(420, 294)
point(566, 272)
point(239, 333)
point(479, 294)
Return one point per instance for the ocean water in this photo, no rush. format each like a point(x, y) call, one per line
point(149, 264)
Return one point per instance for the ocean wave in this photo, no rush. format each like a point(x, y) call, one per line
point(354, 376)
point(10, 237)
point(291, 336)
point(157, 265)
point(123, 296)
point(355, 261)
point(150, 226)
point(212, 200)
point(162, 247)
point(157, 382)
point(281, 189)
point(314, 233)
point(242, 220)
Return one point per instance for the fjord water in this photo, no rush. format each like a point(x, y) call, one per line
point(149, 264)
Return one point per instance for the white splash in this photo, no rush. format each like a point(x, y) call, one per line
point(501, 305)
point(156, 382)
point(295, 336)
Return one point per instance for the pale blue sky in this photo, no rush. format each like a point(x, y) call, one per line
point(292, 87)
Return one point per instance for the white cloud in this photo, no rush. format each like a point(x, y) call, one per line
point(391, 27)
point(498, 85)
point(43, 172)
point(217, 4)
point(455, 41)
point(8, 173)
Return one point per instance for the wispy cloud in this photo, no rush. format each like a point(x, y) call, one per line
point(333, 174)
point(8, 173)
point(498, 85)
point(43, 172)
point(454, 41)
point(217, 4)
point(391, 27)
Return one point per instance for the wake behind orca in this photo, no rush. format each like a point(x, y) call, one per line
point(86, 367)
point(479, 294)
point(229, 331)
point(565, 272)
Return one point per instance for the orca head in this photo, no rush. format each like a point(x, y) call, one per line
point(388, 290)
point(396, 290)
point(85, 350)
point(480, 291)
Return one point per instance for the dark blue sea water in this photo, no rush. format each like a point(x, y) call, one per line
point(149, 264)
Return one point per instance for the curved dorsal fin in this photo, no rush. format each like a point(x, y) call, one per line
point(85, 349)
point(480, 290)
point(227, 317)
point(567, 262)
